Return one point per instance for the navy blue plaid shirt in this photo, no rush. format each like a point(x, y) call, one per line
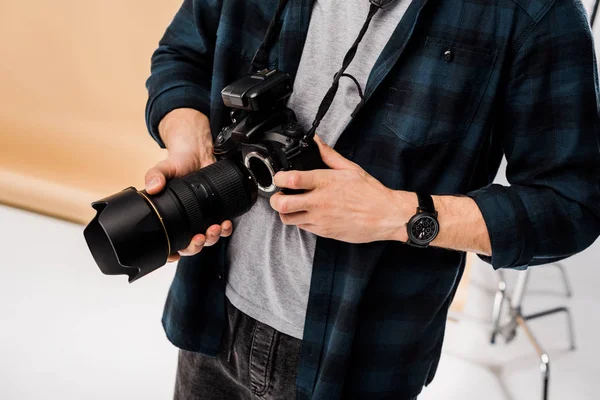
point(520, 81)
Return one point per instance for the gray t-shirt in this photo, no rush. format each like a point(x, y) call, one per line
point(270, 264)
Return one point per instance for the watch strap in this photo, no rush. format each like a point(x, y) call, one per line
point(426, 202)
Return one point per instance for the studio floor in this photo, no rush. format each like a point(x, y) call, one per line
point(68, 332)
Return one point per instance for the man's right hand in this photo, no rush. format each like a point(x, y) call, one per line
point(186, 134)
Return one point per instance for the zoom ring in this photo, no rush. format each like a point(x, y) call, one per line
point(190, 204)
point(229, 182)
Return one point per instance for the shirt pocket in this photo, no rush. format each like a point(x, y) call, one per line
point(441, 96)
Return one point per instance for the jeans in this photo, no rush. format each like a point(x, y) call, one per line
point(254, 362)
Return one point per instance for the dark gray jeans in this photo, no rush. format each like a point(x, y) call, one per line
point(255, 362)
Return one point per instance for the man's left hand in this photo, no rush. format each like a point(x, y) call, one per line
point(344, 203)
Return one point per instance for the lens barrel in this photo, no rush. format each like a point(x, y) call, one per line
point(221, 191)
point(133, 233)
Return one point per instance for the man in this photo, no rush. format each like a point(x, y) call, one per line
point(318, 295)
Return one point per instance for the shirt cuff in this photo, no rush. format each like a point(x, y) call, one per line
point(508, 225)
point(183, 96)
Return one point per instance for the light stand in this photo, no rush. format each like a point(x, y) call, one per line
point(516, 318)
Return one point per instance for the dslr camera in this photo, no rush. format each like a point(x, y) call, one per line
point(133, 232)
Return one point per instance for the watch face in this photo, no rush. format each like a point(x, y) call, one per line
point(423, 229)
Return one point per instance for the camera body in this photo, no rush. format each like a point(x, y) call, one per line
point(265, 135)
point(133, 232)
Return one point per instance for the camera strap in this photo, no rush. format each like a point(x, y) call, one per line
point(259, 61)
point(376, 5)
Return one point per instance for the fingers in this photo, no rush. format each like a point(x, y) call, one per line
point(299, 218)
point(210, 238)
point(308, 180)
point(332, 158)
point(157, 176)
point(287, 204)
point(176, 165)
point(207, 158)
point(226, 229)
point(308, 228)
point(196, 245)
point(212, 235)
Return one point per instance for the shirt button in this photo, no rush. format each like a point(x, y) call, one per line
point(448, 55)
point(219, 276)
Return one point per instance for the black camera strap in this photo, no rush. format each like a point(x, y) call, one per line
point(330, 95)
point(259, 61)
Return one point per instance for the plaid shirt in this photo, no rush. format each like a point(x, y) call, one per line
point(460, 83)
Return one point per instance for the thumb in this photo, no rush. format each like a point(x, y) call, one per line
point(332, 158)
point(157, 176)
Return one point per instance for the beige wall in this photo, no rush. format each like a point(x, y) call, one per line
point(72, 99)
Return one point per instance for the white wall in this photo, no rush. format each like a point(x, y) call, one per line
point(68, 332)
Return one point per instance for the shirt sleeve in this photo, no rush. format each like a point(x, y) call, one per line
point(181, 67)
point(548, 121)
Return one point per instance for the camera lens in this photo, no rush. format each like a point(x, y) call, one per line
point(133, 233)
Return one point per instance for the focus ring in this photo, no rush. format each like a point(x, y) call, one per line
point(190, 204)
point(229, 183)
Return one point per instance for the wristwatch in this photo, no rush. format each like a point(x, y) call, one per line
point(423, 227)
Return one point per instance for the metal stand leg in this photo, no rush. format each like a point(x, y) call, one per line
point(568, 290)
point(545, 360)
point(570, 329)
point(517, 319)
point(498, 301)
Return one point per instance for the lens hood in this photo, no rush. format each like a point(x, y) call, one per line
point(127, 236)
